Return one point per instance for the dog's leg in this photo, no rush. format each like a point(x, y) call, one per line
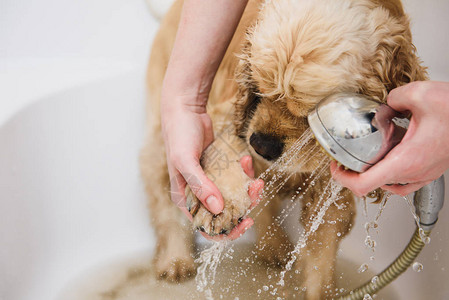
point(173, 259)
point(273, 245)
point(317, 260)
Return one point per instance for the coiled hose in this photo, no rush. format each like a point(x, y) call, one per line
point(402, 262)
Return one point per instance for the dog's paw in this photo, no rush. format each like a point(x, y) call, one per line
point(175, 269)
point(175, 265)
point(173, 260)
point(221, 163)
point(274, 249)
point(233, 213)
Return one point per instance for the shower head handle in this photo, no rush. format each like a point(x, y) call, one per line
point(428, 202)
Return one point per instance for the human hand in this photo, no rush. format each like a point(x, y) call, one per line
point(423, 154)
point(187, 132)
point(254, 191)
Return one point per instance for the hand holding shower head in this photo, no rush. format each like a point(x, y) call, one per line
point(355, 130)
point(358, 132)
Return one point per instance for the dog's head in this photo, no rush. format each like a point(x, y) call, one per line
point(299, 52)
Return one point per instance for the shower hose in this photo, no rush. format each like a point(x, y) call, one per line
point(402, 262)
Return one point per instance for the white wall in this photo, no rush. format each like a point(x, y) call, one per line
point(115, 29)
point(430, 28)
point(48, 46)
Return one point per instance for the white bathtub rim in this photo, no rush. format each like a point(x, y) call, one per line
point(24, 81)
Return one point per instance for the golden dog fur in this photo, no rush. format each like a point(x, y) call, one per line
point(285, 56)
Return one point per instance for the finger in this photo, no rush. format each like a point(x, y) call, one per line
point(410, 97)
point(400, 99)
point(386, 171)
point(254, 191)
point(203, 188)
point(240, 229)
point(235, 233)
point(247, 165)
point(404, 190)
point(346, 178)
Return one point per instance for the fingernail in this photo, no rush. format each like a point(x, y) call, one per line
point(213, 204)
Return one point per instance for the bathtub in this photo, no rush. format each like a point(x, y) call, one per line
point(72, 199)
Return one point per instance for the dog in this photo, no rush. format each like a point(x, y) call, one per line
point(285, 56)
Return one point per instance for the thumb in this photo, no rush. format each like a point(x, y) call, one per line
point(203, 188)
point(404, 98)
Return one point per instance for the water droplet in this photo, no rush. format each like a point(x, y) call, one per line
point(259, 291)
point(374, 280)
point(417, 267)
point(367, 297)
point(362, 268)
point(370, 243)
point(265, 288)
point(281, 282)
point(338, 233)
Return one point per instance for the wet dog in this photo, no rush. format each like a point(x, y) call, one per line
point(285, 56)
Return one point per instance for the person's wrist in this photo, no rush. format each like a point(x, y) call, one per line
point(184, 89)
point(172, 103)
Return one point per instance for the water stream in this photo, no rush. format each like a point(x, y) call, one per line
point(275, 177)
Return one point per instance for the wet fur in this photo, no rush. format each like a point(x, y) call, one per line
point(285, 56)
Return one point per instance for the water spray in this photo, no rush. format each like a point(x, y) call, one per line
point(358, 132)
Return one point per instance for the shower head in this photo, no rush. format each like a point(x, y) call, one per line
point(355, 130)
point(358, 132)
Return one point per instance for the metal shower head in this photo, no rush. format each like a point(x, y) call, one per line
point(358, 132)
point(355, 130)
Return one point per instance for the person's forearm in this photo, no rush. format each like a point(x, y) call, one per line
point(205, 31)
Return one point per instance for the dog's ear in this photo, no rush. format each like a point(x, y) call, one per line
point(248, 94)
point(396, 62)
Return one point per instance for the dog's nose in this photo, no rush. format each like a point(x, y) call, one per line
point(267, 146)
